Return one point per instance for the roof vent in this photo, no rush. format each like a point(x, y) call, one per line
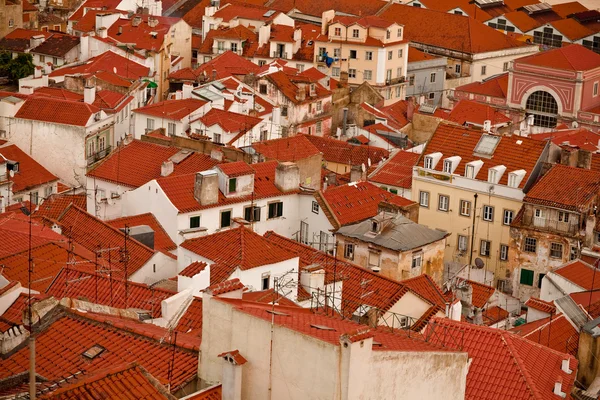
point(154, 34)
point(136, 21)
point(565, 366)
point(94, 351)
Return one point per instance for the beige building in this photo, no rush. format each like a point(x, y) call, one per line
point(471, 184)
point(11, 16)
point(370, 49)
point(394, 246)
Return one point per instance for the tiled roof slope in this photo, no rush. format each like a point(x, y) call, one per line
point(481, 293)
point(191, 321)
point(345, 153)
point(580, 273)
point(106, 62)
point(92, 233)
point(137, 163)
point(292, 148)
point(541, 305)
point(416, 55)
point(316, 8)
point(555, 332)
point(578, 138)
point(193, 269)
point(573, 57)
point(171, 109)
point(60, 348)
point(448, 31)
point(379, 292)
point(31, 173)
point(57, 45)
point(100, 288)
point(144, 36)
point(162, 241)
point(235, 169)
point(57, 111)
point(14, 231)
point(19, 39)
point(565, 187)
point(53, 206)
point(229, 121)
point(117, 382)
point(358, 201)
point(237, 248)
point(48, 260)
point(471, 112)
point(493, 315)
point(268, 296)
point(504, 365)
point(515, 152)
point(397, 171)
point(180, 189)
point(212, 393)
point(14, 314)
point(227, 64)
point(425, 287)
point(494, 87)
point(59, 93)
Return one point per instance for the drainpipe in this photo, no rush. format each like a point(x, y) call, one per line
point(472, 233)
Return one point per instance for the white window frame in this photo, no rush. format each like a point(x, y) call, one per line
point(507, 217)
point(487, 213)
point(465, 208)
point(424, 199)
point(485, 248)
point(503, 253)
point(443, 203)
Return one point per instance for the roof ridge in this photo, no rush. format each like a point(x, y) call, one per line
point(519, 361)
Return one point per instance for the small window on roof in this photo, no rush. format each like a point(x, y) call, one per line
point(487, 144)
point(94, 351)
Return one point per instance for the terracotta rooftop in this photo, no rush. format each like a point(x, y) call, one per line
point(171, 109)
point(268, 296)
point(555, 332)
point(397, 170)
point(496, 86)
point(573, 57)
point(14, 314)
point(93, 4)
point(193, 269)
point(541, 305)
point(87, 22)
point(57, 45)
point(61, 346)
point(191, 320)
point(237, 248)
point(53, 206)
point(448, 31)
point(14, 230)
point(565, 187)
point(144, 36)
point(481, 292)
point(180, 189)
point(580, 138)
point(316, 9)
point(572, 29)
point(227, 286)
point(467, 112)
point(18, 40)
point(234, 169)
point(522, 20)
point(341, 152)
point(139, 162)
point(493, 315)
point(425, 287)
point(121, 381)
point(57, 111)
point(227, 64)
point(162, 241)
point(416, 55)
point(106, 62)
point(525, 369)
point(229, 121)
point(58, 93)
point(211, 393)
point(515, 152)
point(580, 273)
point(111, 101)
point(30, 175)
point(289, 88)
point(358, 201)
point(292, 148)
point(235, 356)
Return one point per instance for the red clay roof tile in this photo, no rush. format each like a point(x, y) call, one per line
point(493, 87)
point(229, 121)
point(193, 269)
point(30, 175)
point(397, 171)
point(292, 148)
point(227, 286)
point(541, 305)
point(57, 111)
point(573, 57)
point(171, 109)
point(555, 332)
point(341, 152)
point(235, 356)
point(191, 320)
point(471, 112)
point(106, 62)
point(481, 292)
point(53, 206)
point(162, 241)
point(234, 169)
point(580, 273)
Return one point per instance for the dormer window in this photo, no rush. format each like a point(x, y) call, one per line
point(428, 162)
point(492, 175)
point(388, 34)
point(431, 160)
point(470, 171)
point(337, 32)
point(355, 33)
point(451, 163)
point(495, 173)
point(448, 166)
point(375, 226)
point(515, 178)
point(232, 185)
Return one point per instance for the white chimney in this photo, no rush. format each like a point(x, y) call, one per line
point(487, 125)
point(37, 72)
point(166, 168)
point(232, 375)
point(206, 187)
point(187, 90)
point(26, 90)
point(89, 94)
point(287, 176)
point(47, 68)
point(276, 116)
point(102, 32)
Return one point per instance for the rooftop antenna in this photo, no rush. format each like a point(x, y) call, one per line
point(31, 331)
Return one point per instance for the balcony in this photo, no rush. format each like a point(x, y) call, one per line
point(395, 81)
point(98, 156)
point(280, 54)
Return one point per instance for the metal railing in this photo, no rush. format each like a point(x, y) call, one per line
point(99, 155)
point(280, 54)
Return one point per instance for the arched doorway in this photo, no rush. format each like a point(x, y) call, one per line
point(544, 109)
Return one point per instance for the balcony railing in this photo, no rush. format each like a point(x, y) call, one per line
point(395, 81)
point(98, 156)
point(280, 54)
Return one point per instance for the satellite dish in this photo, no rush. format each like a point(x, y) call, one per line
point(479, 263)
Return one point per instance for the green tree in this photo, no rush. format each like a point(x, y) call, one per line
point(5, 59)
point(20, 67)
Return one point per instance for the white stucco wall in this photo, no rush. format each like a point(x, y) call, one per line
point(549, 290)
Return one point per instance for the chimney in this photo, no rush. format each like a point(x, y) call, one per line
point(214, 74)
point(47, 68)
point(565, 366)
point(358, 173)
point(206, 187)
point(231, 383)
point(120, 30)
point(287, 176)
point(26, 90)
point(166, 168)
point(128, 139)
point(584, 159)
point(152, 22)
point(89, 94)
point(344, 78)
point(36, 41)
point(301, 93)
point(102, 32)
point(487, 126)
point(410, 108)
point(136, 21)
point(187, 90)
point(568, 157)
point(37, 72)
point(216, 154)
point(276, 116)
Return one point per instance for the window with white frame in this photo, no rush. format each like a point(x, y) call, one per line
point(448, 166)
point(470, 171)
point(428, 163)
point(424, 199)
point(368, 75)
point(485, 248)
point(337, 32)
point(465, 208)
point(368, 55)
point(443, 203)
point(399, 33)
point(390, 55)
point(463, 243)
point(398, 91)
point(335, 71)
point(315, 207)
point(349, 251)
point(351, 73)
point(483, 70)
point(530, 245)
point(503, 252)
point(512, 180)
point(149, 124)
point(556, 250)
point(355, 33)
point(319, 126)
point(563, 216)
point(457, 68)
point(417, 260)
point(400, 53)
point(216, 137)
point(505, 67)
point(508, 216)
point(399, 72)
point(388, 34)
point(337, 52)
point(171, 127)
point(488, 213)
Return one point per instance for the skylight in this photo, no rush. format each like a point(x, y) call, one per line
point(427, 108)
point(94, 351)
point(487, 144)
point(538, 8)
point(269, 13)
point(489, 3)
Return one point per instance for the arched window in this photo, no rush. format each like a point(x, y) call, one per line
point(544, 108)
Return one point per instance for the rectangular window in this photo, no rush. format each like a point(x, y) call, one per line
point(315, 207)
point(390, 55)
point(463, 243)
point(319, 105)
point(400, 53)
point(432, 77)
point(573, 254)
point(508, 217)
point(368, 55)
point(443, 203)
point(234, 47)
point(374, 258)
point(398, 72)
point(457, 68)
point(195, 222)
point(503, 252)
point(424, 199)
point(470, 172)
point(417, 260)
point(252, 216)
point(556, 250)
point(398, 91)
point(275, 210)
point(448, 166)
point(540, 280)
point(220, 45)
point(300, 67)
point(150, 124)
point(35, 198)
point(488, 213)
point(355, 33)
point(171, 128)
point(530, 245)
point(225, 218)
point(563, 216)
point(351, 73)
point(352, 54)
point(232, 185)
point(262, 88)
point(337, 32)
point(485, 248)
point(319, 126)
point(399, 33)
point(388, 34)
point(368, 75)
point(483, 69)
point(349, 251)
point(428, 163)
point(217, 137)
point(411, 80)
point(265, 281)
point(505, 67)
point(595, 88)
point(526, 277)
point(337, 52)
point(335, 72)
point(465, 208)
